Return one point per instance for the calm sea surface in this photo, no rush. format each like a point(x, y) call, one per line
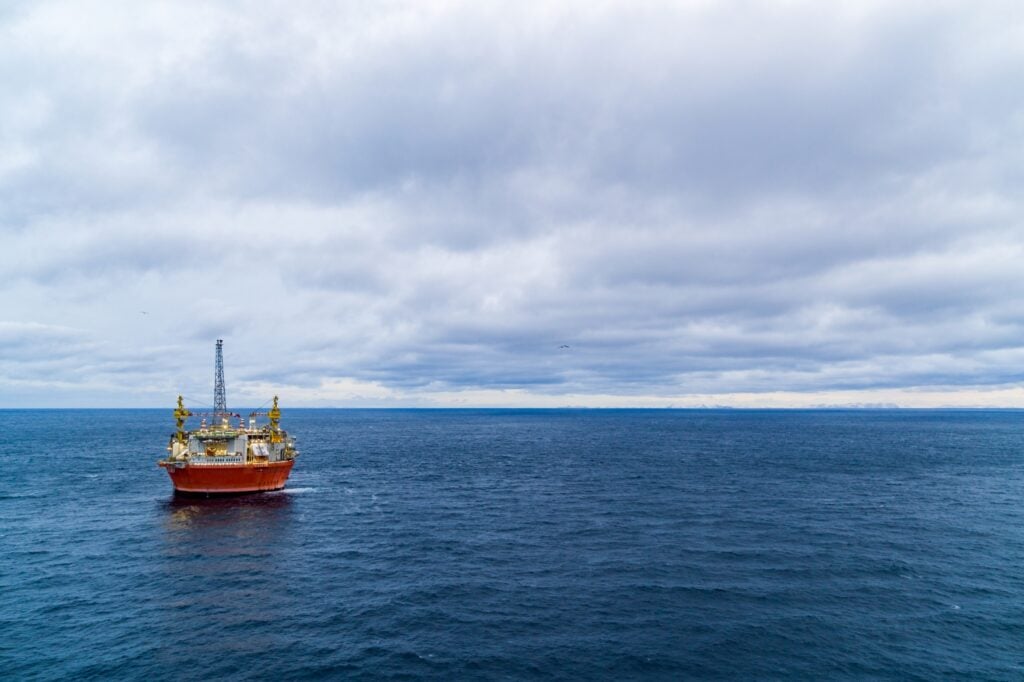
point(549, 544)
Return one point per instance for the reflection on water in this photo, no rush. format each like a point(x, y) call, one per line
point(226, 567)
point(266, 509)
point(248, 525)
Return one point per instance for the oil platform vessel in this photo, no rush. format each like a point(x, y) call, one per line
point(220, 458)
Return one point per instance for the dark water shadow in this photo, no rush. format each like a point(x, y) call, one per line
point(220, 568)
point(269, 511)
point(274, 499)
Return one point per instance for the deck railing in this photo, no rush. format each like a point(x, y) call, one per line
point(214, 461)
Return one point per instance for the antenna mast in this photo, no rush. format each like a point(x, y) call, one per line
point(220, 402)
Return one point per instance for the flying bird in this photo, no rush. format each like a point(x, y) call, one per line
point(563, 346)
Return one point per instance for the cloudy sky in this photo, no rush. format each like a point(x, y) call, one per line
point(469, 204)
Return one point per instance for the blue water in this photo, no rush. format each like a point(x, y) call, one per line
point(523, 544)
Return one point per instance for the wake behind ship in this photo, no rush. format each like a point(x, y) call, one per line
point(221, 459)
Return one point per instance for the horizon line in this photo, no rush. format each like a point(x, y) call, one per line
point(701, 408)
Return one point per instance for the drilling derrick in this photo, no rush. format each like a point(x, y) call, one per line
point(220, 402)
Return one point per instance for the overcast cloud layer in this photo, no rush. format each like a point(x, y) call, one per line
point(465, 203)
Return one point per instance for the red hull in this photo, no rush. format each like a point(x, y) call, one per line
point(225, 480)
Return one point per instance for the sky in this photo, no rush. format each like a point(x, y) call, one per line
point(471, 204)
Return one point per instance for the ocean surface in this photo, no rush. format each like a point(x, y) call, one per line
point(522, 544)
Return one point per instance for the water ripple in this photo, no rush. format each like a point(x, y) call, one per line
point(523, 544)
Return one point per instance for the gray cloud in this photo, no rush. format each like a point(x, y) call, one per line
point(397, 202)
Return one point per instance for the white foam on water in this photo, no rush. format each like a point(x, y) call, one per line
point(297, 491)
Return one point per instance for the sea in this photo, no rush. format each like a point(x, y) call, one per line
point(521, 545)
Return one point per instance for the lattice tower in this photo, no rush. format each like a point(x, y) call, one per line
point(220, 401)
